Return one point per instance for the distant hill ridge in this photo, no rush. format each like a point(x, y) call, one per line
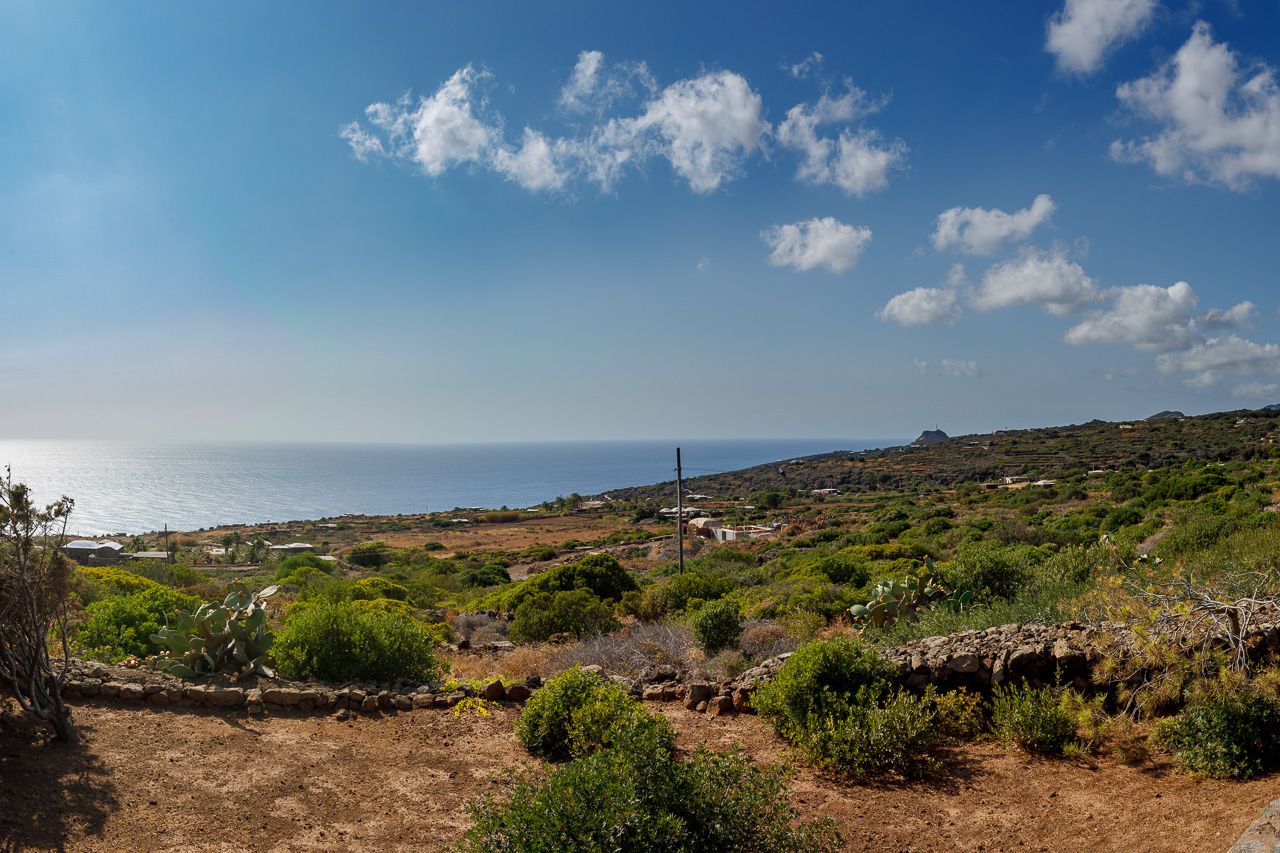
point(937, 460)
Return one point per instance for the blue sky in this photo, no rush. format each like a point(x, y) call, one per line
point(530, 221)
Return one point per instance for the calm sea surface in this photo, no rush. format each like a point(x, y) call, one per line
point(127, 487)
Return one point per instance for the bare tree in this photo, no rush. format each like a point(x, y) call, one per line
point(35, 581)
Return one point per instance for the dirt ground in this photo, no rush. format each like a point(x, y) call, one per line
point(176, 780)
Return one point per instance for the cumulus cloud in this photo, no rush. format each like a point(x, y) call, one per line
point(818, 242)
point(921, 306)
point(1209, 360)
point(1040, 278)
point(922, 366)
point(707, 125)
point(1219, 121)
point(960, 367)
point(857, 162)
point(1085, 30)
point(437, 132)
point(978, 231)
point(1143, 316)
point(1237, 317)
point(535, 166)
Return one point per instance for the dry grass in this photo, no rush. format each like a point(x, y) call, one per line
point(522, 662)
point(636, 647)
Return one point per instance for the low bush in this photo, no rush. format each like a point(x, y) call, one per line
point(116, 628)
point(863, 738)
point(575, 612)
point(490, 575)
point(290, 565)
point(334, 640)
point(578, 712)
point(958, 714)
point(673, 595)
point(1234, 735)
point(636, 797)
point(820, 675)
point(717, 625)
point(1032, 718)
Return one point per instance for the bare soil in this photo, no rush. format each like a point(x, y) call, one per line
point(178, 780)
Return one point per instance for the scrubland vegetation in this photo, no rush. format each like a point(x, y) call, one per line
point(1185, 556)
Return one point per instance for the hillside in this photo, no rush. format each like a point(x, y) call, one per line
point(1048, 452)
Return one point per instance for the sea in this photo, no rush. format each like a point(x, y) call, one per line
point(122, 487)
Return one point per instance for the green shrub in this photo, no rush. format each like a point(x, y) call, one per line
point(674, 594)
point(291, 565)
point(863, 738)
point(575, 611)
point(334, 640)
point(369, 589)
point(116, 628)
point(112, 580)
point(717, 625)
point(600, 574)
point(958, 714)
point(490, 575)
point(823, 674)
point(1235, 735)
point(990, 570)
point(369, 554)
point(573, 714)
point(1031, 718)
point(636, 797)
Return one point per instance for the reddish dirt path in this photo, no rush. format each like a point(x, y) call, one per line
point(186, 780)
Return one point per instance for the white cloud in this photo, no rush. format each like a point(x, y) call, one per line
point(594, 87)
point(978, 231)
point(1143, 316)
point(1237, 317)
point(1255, 390)
point(1219, 123)
point(857, 163)
point(446, 131)
point(922, 366)
point(801, 69)
point(960, 367)
point(437, 133)
point(707, 125)
point(704, 264)
point(816, 243)
point(1082, 33)
point(1037, 278)
point(1216, 356)
point(363, 144)
point(583, 82)
point(920, 306)
point(536, 165)
point(862, 164)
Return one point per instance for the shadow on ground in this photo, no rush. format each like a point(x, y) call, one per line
point(49, 791)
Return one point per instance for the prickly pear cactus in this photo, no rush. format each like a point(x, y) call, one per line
point(891, 601)
point(230, 637)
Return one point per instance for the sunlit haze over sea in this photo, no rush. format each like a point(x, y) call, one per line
point(129, 487)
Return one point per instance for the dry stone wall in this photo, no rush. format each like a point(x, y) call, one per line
point(977, 660)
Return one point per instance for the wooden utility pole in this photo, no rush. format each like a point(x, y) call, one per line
point(679, 511)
